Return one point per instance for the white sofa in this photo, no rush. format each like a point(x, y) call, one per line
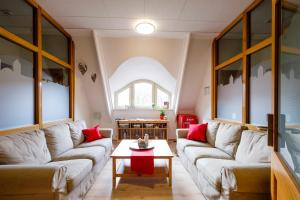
point(53, 163)
point(233, 164)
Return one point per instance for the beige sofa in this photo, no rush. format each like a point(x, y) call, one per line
point(53, 163)
point(233, 164)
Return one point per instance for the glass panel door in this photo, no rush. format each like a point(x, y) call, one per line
point(289, 87)
point(16, 85)
point(55, 91)
point(230, 92)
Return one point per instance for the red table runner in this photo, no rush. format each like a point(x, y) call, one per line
point(142, 161)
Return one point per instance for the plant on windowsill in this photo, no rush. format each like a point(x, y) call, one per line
point(162, 114)
point(153, 106)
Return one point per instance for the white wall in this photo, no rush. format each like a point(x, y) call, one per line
point(169, 52)
point(196, 77)
point(90, 101)
point(90, 96)
point(116, 50)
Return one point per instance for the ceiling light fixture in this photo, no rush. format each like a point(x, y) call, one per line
point(145, 28)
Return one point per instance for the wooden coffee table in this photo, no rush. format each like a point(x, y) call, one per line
point(162, 161)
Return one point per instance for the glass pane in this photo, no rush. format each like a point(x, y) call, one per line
point(290, 29)
point(55, 91)
point(17, 17)
point(231, 43)
point(230, 92)
point(54, 41)
point(261, 22)
point(123, 98)
point(260, 86)
point(289, 90)
point(162, 99)
point(16, 85)
point(143, 95)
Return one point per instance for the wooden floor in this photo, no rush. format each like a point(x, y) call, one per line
point(146, 188)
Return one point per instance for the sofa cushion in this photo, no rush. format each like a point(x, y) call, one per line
point(58, 139)
point(253, 147)
point(77, 170)
point(210, 168)
point(76, 131)
point(197, 132)
point(292, 141)
point(104, 142)
point(92, 134)
point(182, 143)
point(195, 153)
point(211, 131)
point(95, 154)
point(228, 137)
point(24, 148)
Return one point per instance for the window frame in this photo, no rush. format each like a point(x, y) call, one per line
point(116, 97)
point(36, 47)
point(247, 50)
point(132, 105)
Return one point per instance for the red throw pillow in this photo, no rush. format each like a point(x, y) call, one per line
point(197, 132)
point(92, 134)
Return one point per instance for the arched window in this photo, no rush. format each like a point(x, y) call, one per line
point(142, 94)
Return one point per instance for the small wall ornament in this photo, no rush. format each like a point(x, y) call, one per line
point(93, 77)
point(82, 68)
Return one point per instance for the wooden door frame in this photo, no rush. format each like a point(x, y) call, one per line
point(280, 172)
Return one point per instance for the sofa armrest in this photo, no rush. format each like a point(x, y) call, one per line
point(181, 132)
point(250, 179)
point(28, 179)
point(107, 132)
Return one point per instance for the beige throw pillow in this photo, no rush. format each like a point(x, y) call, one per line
point(58, 139)
point(253, 148)
point(24, 148)
point(76, 131)
point(228, 137)
point(211, 131)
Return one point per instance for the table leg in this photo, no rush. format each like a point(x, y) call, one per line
point(170, 172)
point(113, 173)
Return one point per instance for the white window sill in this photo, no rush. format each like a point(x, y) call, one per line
point(141, 109)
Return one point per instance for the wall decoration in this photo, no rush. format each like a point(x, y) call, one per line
point(82, 68)
point(166, 105)
point(206, 90)
point(94, 76)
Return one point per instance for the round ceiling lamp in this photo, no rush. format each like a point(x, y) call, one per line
point(145, 28)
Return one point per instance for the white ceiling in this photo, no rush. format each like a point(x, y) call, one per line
point(203, 16)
